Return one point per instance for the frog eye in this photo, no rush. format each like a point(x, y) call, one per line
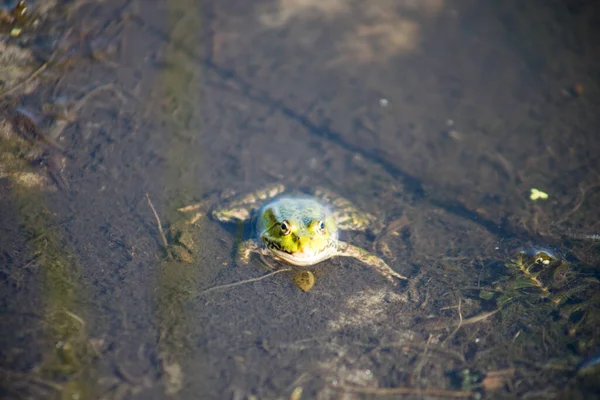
point(322, 227)
point(285, 228)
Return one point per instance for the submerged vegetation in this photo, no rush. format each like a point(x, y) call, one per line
point(542, 286)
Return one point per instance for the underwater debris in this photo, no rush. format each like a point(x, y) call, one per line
point(495, 380)
point(17, 65)
point(575, 90)
point(24, 145)
point(304, 280)
point(17, 19)
point(583, 236)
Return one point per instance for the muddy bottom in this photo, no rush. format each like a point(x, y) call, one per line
point(468, 130)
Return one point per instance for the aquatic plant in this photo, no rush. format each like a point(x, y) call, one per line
point(541, 285)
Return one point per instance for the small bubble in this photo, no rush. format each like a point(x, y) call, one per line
point(383, 102)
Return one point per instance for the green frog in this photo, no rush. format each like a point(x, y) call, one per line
point(301, 229)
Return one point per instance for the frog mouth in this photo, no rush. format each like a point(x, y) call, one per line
point(302, 258)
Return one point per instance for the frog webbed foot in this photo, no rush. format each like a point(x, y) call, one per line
point(248, 247)
point(197, 208)
point(245, 250)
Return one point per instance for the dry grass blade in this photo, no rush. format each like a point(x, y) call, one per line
point(460, 322)
point(479, 317)
point(495, 380)
point(456, 394)
point(583, 191)
point(163, 238)
point(230, 285)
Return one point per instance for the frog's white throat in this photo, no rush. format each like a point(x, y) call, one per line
point(305, 258)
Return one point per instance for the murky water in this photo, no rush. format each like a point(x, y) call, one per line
point(438, 117)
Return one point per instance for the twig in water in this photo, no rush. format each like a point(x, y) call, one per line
point(407, 391)
point(479, 317)
point(29, 78)
point(75, 317)
point(109, 86)
point(230, 285)
point(160, 229)
point(580, 201)
point(460, 321)
point(34, 379)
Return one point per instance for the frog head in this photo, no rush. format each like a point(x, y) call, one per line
point(299, 231)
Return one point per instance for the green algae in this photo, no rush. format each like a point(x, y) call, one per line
point(66, 350)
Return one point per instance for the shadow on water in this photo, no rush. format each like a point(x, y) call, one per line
point(411, 183)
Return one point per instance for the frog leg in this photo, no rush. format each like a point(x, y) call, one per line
point(241, 209)
point(245, 250)
point(194, 207)
point(347, 215)
point(347, 250)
